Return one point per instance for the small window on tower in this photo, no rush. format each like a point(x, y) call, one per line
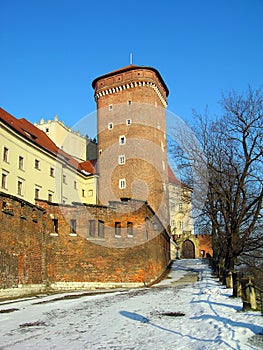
point(110, 126)
point(128, 121)
point(110, 107)
point(122, 140)
point(122, 159)
point(122, 184)
point(129, 102)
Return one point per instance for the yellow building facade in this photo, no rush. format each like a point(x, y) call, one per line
point(33, 167)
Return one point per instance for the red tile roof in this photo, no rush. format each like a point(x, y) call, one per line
point(173, 179)
point(39, 138)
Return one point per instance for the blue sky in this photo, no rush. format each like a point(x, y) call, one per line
point(51, 50)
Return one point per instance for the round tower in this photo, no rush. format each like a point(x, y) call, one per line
point(132, 157)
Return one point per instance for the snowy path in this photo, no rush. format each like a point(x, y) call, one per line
point(135, 319)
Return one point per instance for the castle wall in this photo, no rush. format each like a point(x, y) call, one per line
point(36, 256)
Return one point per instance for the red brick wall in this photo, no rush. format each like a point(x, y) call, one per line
point(205, 245)
point(30, 253)
point(145, 169)
point(141, 258)
point(22, 243)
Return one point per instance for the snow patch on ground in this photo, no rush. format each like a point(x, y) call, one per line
point(138, 319)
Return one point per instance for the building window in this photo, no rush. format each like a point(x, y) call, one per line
point(37, 193)
point(129, 102)
point(20, 187)
point(50, 197)
point(117, 229)
point(122, 140)
point(122, 159)
point(92, 228)
point(55, 225)
point(83, 193)
point(37, 164)
point(64, 178)
point(181, 226)
point(5, 154)
point(21, 163)
point(180, 207)
point(162, 146)
point(163, 163)
point(110, 126)
point(90, 193)
point(73, 226)
point(122, 184)
point(129, 228)
point(4, 181)
point(128, 121)
point(52, 172)
point(47, 129)
point(101, 228)
point(110, 107)
point(75, 185)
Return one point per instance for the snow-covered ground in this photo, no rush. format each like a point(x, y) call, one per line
point(135, 319)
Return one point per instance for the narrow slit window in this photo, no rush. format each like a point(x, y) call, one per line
point(117, 229)
point(101, 229)
point(73, 226)
point(92, 228)
point(129, 228)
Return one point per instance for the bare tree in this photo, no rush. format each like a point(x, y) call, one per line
point(232, 148)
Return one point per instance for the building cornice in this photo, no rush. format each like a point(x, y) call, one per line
point(131, 85)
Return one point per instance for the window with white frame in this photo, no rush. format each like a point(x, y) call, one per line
point(5, 154)
point(122, 184)
point(50, 197)
point(21, 163)
point(52, 172)
point(20, 187)
point(128, 121)
point(37, 164)
point(122, 140)
point(110, 126)
point(122, 159)
point(4, 180)
point(37, 192)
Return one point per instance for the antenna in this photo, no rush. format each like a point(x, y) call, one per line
point(130, 57)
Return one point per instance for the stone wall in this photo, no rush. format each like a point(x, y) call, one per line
point(41, 248)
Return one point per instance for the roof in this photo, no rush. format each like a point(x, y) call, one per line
point(39, 138)
point(132, 67)
point(173, 179)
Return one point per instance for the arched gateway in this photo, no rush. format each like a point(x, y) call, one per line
point(188, 250)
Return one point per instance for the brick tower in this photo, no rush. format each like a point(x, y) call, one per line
point(132, 157)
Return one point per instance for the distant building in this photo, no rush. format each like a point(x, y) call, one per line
point(80, 147)
point(34, 167)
